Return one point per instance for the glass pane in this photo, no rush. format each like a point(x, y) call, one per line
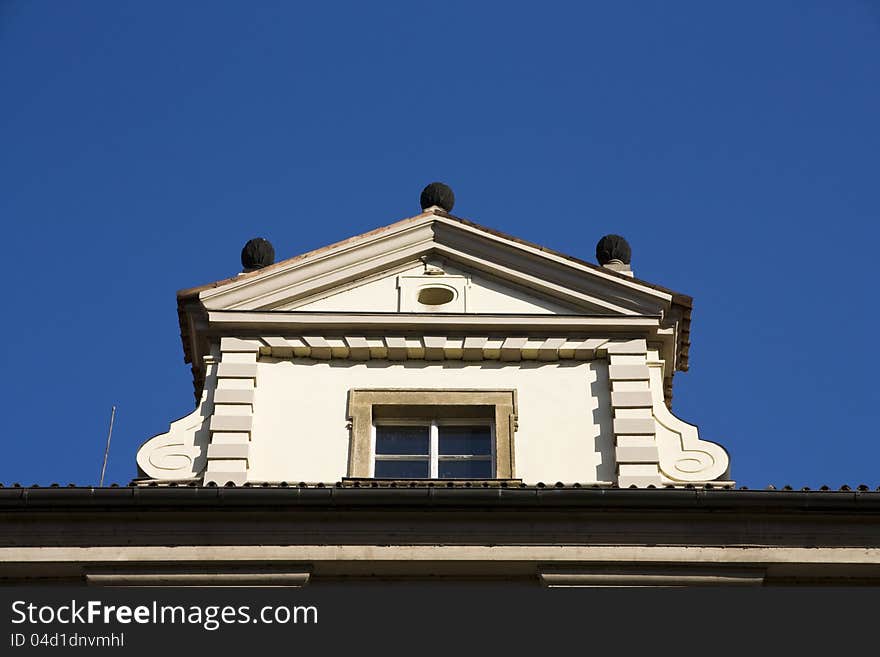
point(476, 441)
point(465, 469)
point(402, 440)
point(402, 469)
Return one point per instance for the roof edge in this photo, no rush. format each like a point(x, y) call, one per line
point(281, 497)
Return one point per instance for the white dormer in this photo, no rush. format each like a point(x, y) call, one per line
point(430, 349)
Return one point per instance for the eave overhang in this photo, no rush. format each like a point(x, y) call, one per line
point(258, 321)
point(280, 497)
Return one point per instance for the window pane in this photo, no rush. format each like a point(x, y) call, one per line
point(402, 440)
point(402, 469)
point(476, 441)
point(465, 469)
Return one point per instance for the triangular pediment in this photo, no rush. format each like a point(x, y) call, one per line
point(387, 269)
point(425, 273)
point(459, 290)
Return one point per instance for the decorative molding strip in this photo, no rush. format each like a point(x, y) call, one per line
point(201, 578)
point(627, 329)
point(439, 348)
point(296, 321)
point(666, 575)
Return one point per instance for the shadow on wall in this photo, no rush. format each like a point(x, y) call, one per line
point(600, 389)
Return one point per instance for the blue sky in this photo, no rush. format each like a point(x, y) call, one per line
point(734, 144)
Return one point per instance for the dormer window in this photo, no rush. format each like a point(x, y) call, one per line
point(433, 449)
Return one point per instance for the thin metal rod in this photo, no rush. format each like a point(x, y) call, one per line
point(107, 450)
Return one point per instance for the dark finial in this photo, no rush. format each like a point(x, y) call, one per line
point(437, 194)
point(256, 254)
point(613, 247)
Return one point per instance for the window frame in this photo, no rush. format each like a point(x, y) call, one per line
point(434, 457)
point(494, 407)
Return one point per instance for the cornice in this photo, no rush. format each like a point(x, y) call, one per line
point(435, 347)
point(537, 323)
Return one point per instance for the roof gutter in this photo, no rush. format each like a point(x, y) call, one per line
point(528, 497)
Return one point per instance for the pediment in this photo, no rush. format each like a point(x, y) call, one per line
point(373, 279)
point(488, 273)
point(415, 287)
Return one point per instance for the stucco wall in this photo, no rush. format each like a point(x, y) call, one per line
point(300, 425)
point(484, 295)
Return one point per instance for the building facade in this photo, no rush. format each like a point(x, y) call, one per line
point(435, 400)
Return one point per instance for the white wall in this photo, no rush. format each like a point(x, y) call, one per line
point(484, 295)
point(300, 431)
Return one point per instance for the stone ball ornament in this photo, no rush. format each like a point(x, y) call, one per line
point(257, 253)
point(439, 194)
point(613, 248)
